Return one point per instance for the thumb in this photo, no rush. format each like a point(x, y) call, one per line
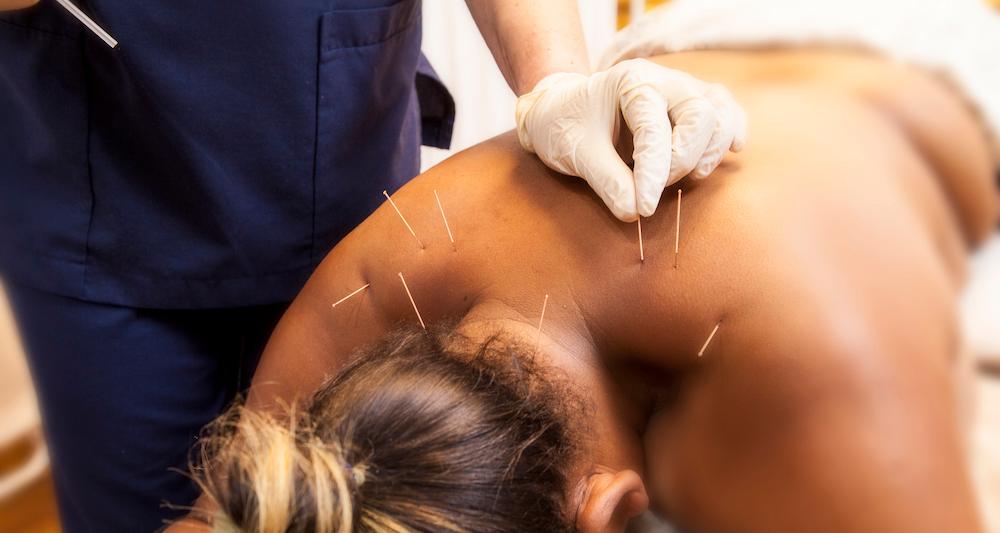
point(611, 179)
point(694, 120)
point(645, 112)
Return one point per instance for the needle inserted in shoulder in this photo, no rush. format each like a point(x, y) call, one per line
point(413, 303)
point(446, 226)
point(401, 217)
point(538, 334)
point(345, 298)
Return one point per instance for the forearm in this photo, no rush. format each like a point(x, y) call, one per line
point(532, 39)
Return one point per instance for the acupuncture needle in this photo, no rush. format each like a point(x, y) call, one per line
point(345, 298)
point(446, 226)
point(707, 342)
point(677, 235)
point(638, 221)
point(538, 335)
point(413, 303)
point(401, 217)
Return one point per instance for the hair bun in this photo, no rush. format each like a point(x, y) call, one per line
point(265, 474)
point(423, 432)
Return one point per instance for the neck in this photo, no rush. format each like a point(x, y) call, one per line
point(615, 422)
point(560, 335)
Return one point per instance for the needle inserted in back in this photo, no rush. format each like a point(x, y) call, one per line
point(638, 221)
point(642, 254)
point(710, 337)
point(398, 212)
point(677, 235)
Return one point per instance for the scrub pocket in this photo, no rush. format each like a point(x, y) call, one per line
point(368, 131)
point(45, 195)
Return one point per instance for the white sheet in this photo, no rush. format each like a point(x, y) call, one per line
point(959, 39)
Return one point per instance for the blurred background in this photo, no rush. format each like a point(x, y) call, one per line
point(456, 50)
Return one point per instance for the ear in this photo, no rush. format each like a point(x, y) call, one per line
point(610, 500)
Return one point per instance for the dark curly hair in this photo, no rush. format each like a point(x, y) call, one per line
point(425, 431)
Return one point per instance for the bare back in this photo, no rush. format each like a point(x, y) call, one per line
point(839, 234)
point(831, 174)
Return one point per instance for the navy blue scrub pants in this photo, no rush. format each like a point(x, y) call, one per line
point(124, 393)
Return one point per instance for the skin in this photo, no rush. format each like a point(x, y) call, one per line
point(10, 5)
point(530, 40)
point(831, 252)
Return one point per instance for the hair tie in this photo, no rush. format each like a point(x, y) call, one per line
point(357, 474)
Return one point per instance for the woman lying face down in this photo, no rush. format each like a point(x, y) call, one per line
point(827, 257)
point(426, 431)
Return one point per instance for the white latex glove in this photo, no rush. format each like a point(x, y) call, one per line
point(680, 126)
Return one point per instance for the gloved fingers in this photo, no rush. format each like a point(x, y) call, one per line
point(645, 113)
point(611, 179)
point(723, 99)
point(713, 154)
point(692, 116)
point(694, 120)
point(723, 136)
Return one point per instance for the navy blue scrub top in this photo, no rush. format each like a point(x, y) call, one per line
point(213, 158)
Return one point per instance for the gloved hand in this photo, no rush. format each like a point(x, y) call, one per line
point(680, 126)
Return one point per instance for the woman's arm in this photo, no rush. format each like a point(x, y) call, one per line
point(314, 339)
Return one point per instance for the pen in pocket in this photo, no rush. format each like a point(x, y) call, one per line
point(82, 17)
